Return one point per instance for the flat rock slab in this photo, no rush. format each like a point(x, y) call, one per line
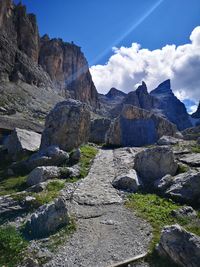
point(191, 159)
point(107, 232)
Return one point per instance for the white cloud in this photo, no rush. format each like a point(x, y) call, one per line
point(192, 109)
point(128, 66)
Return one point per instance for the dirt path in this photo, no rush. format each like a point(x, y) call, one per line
point(106, 231)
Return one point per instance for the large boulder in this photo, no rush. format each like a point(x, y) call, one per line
point(186, 187)
point(41, 174)
point(22, 142)
point(192, 159)
point(48, 219)
point(67, 125)
point(168, 140)
point(98, 130)
point(128, 181)
point(180, 246)
point(138, 127)
point(154, 163)
point(50, 156)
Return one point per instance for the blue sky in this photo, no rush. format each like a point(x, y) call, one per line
point(98, 25)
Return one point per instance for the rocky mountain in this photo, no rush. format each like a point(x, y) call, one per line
point(166, 103)
point(36, 73)
point(161, 101)
point(68, 69)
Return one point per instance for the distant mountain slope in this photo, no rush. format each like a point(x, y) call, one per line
point(161, 101)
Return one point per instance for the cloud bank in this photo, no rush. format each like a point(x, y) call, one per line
point(129, 66)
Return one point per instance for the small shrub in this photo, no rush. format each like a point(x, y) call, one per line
point(196, 149)
point(88, 153)
point(182, 169)
point(12, 246)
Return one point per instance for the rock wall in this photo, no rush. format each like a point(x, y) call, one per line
point(68, 69)
point(138, 127)
point(64, 67)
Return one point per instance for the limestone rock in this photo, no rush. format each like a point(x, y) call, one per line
point(180, 246)
point(50, 156)
point(154, 163)
point(48, 219)
point(164, 183)
point(170, 106)
point(98, 130)
point(75, 156)
point(41, 174)
point(138, 127)
point(191, 159)
point(192, 133)
point(67, 125)
point(186, 187)
point(68, 69)
point(21, 142)
point(167, 140)
point(186, 212)
point(128, 181)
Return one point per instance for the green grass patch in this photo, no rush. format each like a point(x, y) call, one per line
point(13, 185)
point(88, 153)
point(12, 246)
point(50, 193)
point(158, 212)
point(182, 168)
point(195, 149)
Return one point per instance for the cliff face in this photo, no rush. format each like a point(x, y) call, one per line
point(64, 67)
point(170, 106)
point(68, 69)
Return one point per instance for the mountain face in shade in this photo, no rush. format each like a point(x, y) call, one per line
point(196, 114)
point(115, 93)
point(22, 53)
point(166, 103)
point(161, 101)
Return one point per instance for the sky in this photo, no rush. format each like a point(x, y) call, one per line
point(127, 41)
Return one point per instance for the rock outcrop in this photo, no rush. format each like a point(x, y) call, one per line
point(180, 246)
point(138, 127)
point(166, 103)
point(128, 181)
point(67, 125)
point(186, 188)
point(154, 163)
point(98, 130)
point(48, 219)
point(22, 142)
point(68, 69)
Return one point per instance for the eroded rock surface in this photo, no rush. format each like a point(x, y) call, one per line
point(67, 125)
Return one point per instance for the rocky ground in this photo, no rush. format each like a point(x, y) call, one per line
point(107, 232)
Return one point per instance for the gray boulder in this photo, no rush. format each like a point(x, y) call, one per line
point(192, 159)
point(128, 181)
point(48, 219)
point(154, 163)
point(167, 140)
point(75, 155)
point(138, 127)
point(67, 125)
point(186, 212)
point(22, 142)
point(164, 183)
point(50, 156)
point(180, 246)
point(98, 130)
point(186, 187)
point(41, 174)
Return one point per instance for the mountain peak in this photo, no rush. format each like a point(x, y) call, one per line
point(196, 114)
point(163, 88)
point(115, 93)
point(142, 88)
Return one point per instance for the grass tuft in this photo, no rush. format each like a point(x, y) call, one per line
point(12, 246)
point(88, 153)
